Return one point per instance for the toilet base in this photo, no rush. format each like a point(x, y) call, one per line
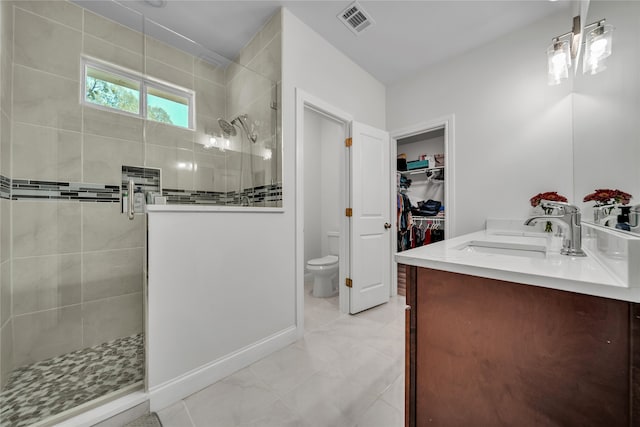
point(323, 286)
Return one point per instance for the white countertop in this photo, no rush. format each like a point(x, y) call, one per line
point(584, 275)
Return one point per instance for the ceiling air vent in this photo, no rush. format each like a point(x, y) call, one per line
point(355, 18)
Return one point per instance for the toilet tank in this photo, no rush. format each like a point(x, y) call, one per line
point(333, 240)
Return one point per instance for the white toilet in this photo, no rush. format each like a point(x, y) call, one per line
point(325, 269)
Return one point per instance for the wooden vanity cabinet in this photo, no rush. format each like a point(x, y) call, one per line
point(484, 352)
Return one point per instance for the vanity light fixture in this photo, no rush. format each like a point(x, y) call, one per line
point(597, 48)
point(565, 49)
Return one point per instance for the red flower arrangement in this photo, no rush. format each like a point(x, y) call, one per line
point(549, 195)
point(604, 197)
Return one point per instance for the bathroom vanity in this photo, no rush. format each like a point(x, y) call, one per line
point(503, 330)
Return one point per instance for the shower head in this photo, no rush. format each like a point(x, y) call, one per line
point(242, 120)
point(227, 127)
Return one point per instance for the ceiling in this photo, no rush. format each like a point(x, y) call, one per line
point(408, 36)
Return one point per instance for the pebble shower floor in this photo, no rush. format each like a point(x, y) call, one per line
point(38, 391)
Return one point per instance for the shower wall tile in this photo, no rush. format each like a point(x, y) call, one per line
point(210, 100)
point(104, 157)
point(5, 145)
point(211, 72)
point(6, 352)
point(112, 273)
point(244, 89)
point(268, 61)
point(261, 113)
point(5, 292)
point(47, 46)
point(6, 56)
point(176, 164)
point(208, 174)
point(111, 318)
point(115, 54)
point(206, 125)
point(113, 125)
point(43, 283)
point(39, 336)
point(260, 40)
point(5, 230)
point(44, 99)
point(169, 74)
point(232, 71)
point(157, 133)
point(162, 52)
point(45, 228)
point(63, 12)
point(116, 34)
point(41, 153)
point(104, 227)
point(271, 29)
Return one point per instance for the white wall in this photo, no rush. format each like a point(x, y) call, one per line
point(312, 185)
point(220, 295)
point(513, 135)
point(433, 143)
point(323, 146)
point(312, 64)
point(331, 148)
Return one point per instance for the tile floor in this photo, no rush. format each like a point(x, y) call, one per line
point(347, 371)
point(37, 391)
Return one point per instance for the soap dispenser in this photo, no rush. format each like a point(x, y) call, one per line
point(623, 219)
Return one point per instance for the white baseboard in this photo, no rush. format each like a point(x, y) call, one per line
point(172, 391)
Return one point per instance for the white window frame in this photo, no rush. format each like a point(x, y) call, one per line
point(144, 82)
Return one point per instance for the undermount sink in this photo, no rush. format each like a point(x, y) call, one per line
point(502, 248)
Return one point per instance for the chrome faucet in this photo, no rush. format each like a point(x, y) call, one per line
point(568, 220)
point(634, 218)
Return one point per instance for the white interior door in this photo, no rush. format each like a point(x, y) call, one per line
point(370, 234)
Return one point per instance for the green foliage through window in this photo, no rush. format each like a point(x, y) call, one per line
point(122, 92)
point(111, 95)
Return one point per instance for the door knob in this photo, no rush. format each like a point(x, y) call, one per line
point(387, 225)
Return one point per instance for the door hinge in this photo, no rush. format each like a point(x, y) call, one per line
point(348, 282)
point(348, 142)
point(349, 212)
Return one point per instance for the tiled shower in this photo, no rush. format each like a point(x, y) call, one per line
point(72, 266)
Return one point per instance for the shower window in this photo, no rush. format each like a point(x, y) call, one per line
point(168, 105)
point(112, 88)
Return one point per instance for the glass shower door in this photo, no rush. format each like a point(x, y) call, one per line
point(72, 263)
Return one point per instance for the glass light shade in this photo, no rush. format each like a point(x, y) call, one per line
point(597, 48)
point(558, 62)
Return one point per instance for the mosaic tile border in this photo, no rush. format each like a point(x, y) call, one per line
point(191, 197)
point(5, 187)
point(25, 189)
point(264, 193)
point(147, 178)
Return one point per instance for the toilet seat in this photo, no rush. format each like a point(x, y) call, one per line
point(323, 262)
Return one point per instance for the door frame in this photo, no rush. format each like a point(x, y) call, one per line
point(304, 101)
point(448, 123)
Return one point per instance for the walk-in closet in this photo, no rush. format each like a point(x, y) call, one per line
point(420, 182)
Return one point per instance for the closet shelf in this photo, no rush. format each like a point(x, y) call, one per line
point(427, 218)
point(421, 170)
